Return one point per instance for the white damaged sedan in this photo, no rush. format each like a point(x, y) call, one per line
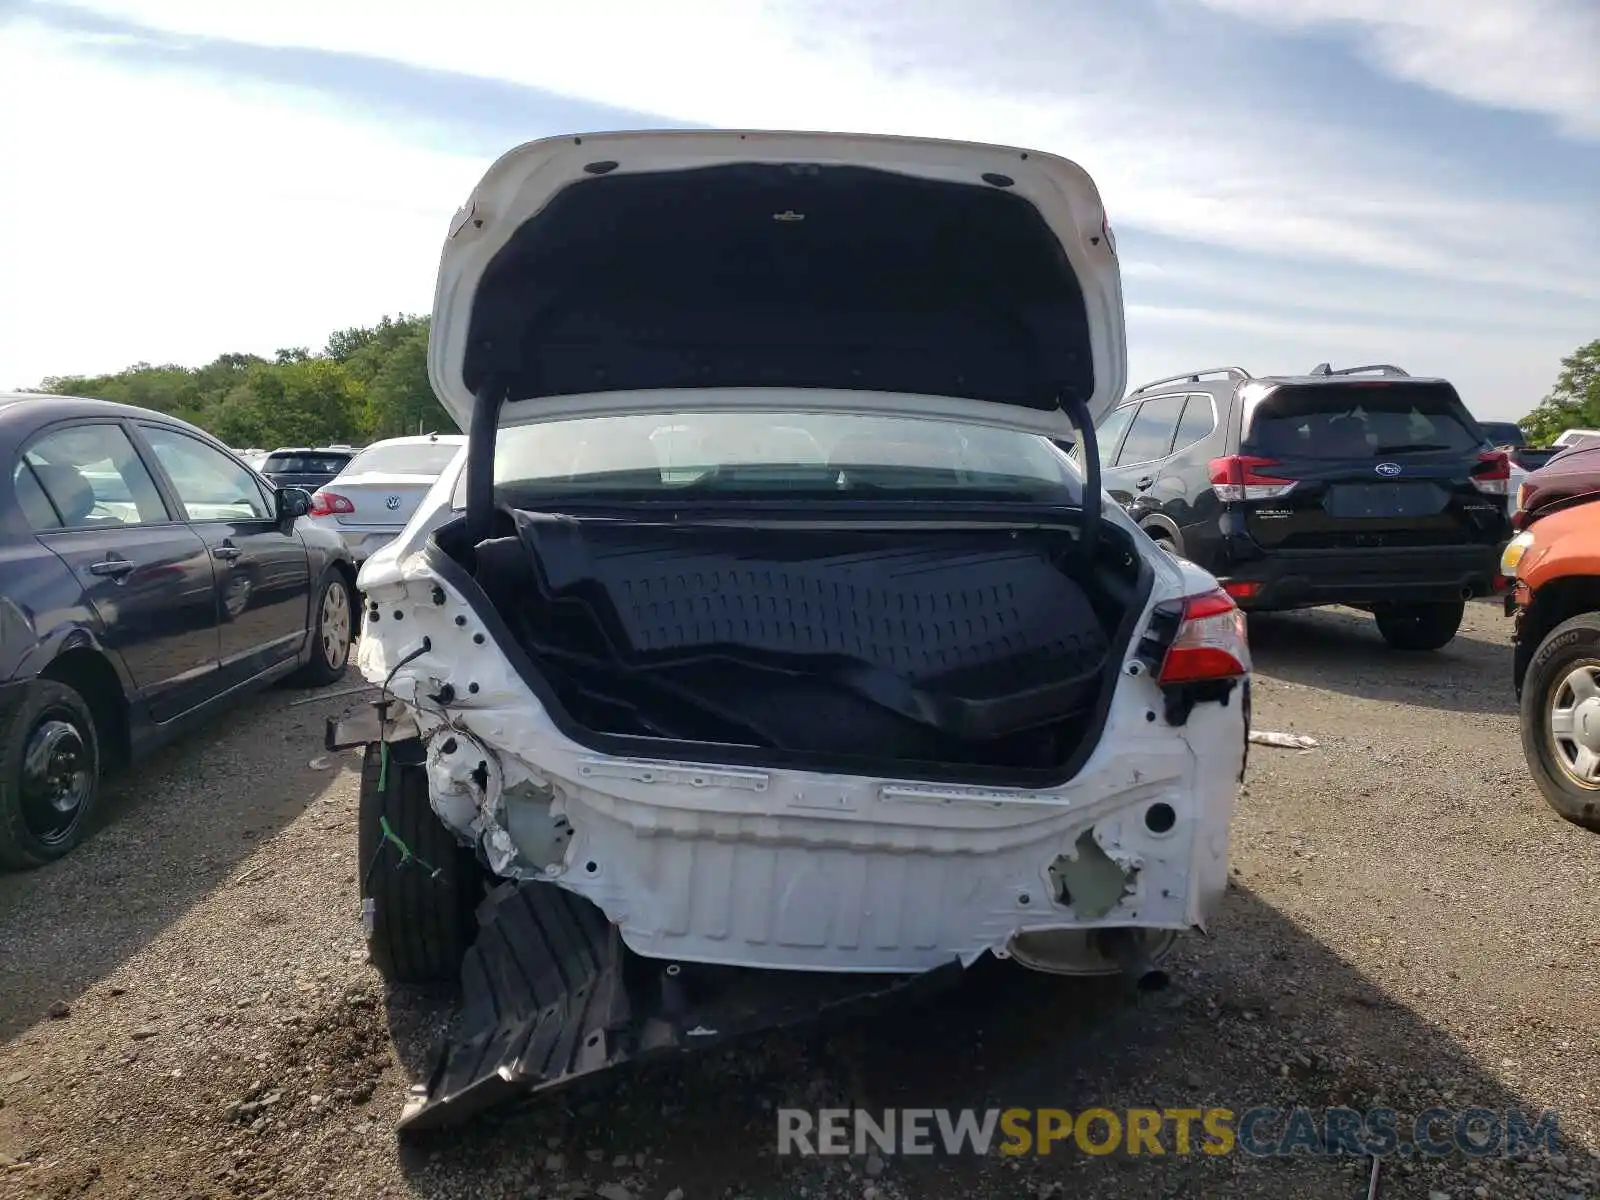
point(766, 652)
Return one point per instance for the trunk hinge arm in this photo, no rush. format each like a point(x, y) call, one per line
point(1078, 413)
point(480, 458)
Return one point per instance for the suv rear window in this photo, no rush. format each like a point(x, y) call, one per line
point(1330, 421)
point(304, 464)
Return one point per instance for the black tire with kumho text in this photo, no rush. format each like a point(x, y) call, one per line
point(334, 621)
point(1419, 626)
point(419, 898)
point(49, 775)
point(1561, 719)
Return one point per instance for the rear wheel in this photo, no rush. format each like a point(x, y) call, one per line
point(49, 775)
point(1561, 719)
point(332, 630)
point(1164, 540)
point(420, 887)
point(1419, 626)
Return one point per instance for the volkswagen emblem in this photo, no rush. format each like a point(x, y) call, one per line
point(393, 502)
point(1388, 470)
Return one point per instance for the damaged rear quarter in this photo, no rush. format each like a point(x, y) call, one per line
point(777, 867)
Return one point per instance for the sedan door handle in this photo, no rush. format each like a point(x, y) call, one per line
point(227, 553)
point(114, 567)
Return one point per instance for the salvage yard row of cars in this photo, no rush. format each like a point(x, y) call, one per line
point(811, 611)
point(149, 578)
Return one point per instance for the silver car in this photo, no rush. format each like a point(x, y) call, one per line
point(375, 495)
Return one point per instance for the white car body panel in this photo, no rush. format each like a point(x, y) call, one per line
point(759, 867)
point(1513, 488)
point(523, 181)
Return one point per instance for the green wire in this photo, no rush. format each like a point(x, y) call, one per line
point(389, 835)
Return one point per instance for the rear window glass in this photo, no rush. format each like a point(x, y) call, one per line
point(1503, 433)
point(406, 458)
point(790, 453)
point(304, 464)
point(1360, 421)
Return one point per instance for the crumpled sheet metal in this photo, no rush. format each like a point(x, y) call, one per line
point(551, 996)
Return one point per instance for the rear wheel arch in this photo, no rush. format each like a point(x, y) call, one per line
point(348, 571)
point(87, 671)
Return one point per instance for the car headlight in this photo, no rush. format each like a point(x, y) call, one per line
point(1511, 556)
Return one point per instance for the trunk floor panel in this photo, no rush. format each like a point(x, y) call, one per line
point(551, 996)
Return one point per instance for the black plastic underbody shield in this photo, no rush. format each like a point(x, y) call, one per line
point(962, 646)
point(551, 996)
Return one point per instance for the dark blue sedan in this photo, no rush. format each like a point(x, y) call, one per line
point(148, 580)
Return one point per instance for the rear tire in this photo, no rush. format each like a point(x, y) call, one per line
point(1573, 647)
point(1419, 626)
point(49, 775)
point(332, 630)
point(421, 912)
point(1164, 540)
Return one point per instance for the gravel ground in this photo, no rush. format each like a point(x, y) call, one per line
point(186, 1010)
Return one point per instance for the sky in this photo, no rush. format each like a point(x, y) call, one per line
point(1290, 181)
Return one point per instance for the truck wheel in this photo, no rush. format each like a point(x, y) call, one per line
point(49, 775)
point(419, 887)
point(1419, 626)
point(1561, 719)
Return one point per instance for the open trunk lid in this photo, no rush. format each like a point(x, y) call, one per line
point(890, 276)
point(1368, 465)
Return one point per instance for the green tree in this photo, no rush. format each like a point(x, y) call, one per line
point(1574, 402)
point(391, 361)
point(367, 382)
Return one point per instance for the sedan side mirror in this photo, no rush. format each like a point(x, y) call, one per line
point(293, 502)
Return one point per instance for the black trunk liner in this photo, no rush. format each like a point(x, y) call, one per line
point(833, 640)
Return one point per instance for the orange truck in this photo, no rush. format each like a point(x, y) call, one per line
point(1553, 595)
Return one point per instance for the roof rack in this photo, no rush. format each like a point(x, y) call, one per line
point(1194, 377)
point(1380, 368)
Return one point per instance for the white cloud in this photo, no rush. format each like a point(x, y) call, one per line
point(332, 218)
point(1499, 379)
point(1537, 56)
point(1093, 82)
point(144, 219)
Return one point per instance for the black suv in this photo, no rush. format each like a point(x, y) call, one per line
point(303, 467)
point(1365, 486)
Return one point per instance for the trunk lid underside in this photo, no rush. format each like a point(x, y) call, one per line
point(975, 282)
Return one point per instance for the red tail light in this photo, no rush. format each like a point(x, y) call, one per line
point(1493, 473)
point(1211, 643)
point(326, 504)
point(1239, 477)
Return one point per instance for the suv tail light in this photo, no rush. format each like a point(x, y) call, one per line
point(1211, 643)
point(326, 504)
point(1492, 475)
point(1239, 477)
